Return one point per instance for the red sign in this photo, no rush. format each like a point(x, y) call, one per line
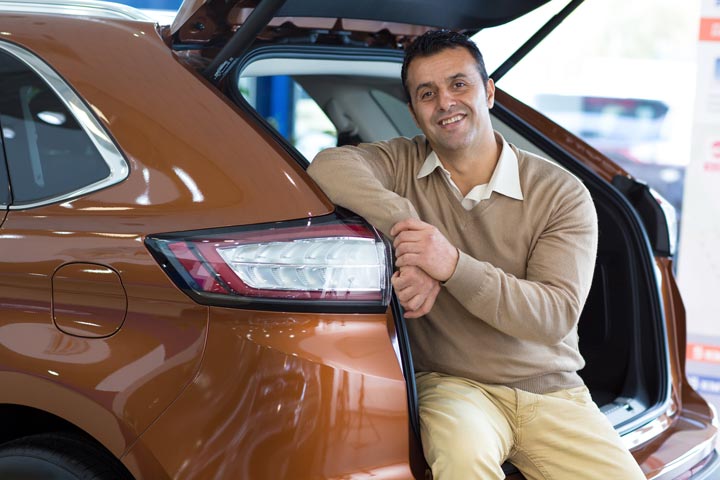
point(710, 29)
point(698, 352)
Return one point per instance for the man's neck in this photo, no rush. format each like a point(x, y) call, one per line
point(473, 166)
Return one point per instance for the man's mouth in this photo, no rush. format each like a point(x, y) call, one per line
point(450, 120)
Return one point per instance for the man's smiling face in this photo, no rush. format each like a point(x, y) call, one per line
point(449, 101)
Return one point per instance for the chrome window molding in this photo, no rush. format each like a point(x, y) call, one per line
point(119, 168)
point(75, 7)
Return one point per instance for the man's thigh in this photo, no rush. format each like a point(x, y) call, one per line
point(568, 437)
point(465, 434)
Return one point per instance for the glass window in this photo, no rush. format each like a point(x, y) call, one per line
point(291, 111)
point(397, 112)
point(47, 152)
point(615, 74)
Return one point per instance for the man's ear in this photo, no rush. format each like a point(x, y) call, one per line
point(412, 114)
point(490, 93)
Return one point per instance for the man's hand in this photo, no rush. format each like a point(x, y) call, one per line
point(416, 290)
point(419, 244)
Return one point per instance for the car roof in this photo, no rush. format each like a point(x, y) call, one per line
point(458, 15)
point(454, 14)
point(85, 8)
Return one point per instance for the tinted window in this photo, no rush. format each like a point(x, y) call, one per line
point(48, 153)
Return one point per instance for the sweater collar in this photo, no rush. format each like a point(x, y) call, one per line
point(505, 179)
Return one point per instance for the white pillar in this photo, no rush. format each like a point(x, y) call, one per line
point(699, 256)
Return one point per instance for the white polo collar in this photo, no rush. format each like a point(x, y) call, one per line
point(505, 179)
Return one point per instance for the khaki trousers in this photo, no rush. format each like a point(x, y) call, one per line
point(469, 429)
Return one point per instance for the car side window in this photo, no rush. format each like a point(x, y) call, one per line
point(47, 151)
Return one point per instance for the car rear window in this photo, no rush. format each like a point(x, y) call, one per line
point(288, 108)
point(47, 151)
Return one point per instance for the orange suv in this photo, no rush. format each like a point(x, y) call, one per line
point(178, 299)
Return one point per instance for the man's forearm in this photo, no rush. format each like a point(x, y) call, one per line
point(356, 183)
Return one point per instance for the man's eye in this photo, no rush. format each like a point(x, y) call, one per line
point(459, 84)
point(425, 95)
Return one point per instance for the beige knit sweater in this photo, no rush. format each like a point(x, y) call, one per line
point(509, 313)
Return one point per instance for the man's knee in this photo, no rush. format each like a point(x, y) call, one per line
point(463, 447)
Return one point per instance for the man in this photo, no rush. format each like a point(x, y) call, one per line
point(495, 249)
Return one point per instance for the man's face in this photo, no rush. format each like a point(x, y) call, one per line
point(449, 101)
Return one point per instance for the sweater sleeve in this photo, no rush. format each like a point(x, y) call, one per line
point(363, 179)
point(546, 305)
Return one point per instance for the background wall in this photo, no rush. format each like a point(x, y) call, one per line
point(699, 268)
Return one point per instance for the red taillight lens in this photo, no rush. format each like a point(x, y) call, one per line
point(317, 262)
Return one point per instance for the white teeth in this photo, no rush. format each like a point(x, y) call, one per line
point(454, 119)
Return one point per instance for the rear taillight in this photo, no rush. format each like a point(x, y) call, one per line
point(323, 263)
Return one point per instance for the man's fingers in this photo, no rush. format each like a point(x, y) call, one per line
point(408, 236)
point(405, 295)
point(415, 289)
point(429, 300)
point(419, 312)
point(414, 303)
point(408, 224)
point(402, 282)
point(423, 309)
point(407, 247)
point(408, 286)
point(409, 260)
point(412, 314)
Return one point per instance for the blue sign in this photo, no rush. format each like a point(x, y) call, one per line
point(709, 385)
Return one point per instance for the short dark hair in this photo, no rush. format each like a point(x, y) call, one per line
point(435, 41)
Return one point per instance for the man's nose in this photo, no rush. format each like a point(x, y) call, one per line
point(446, 100)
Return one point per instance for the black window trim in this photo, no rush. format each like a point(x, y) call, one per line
point(109, 152)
